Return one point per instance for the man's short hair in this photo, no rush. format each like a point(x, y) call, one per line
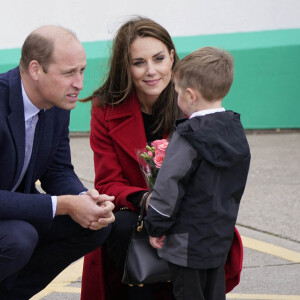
point(39, 47)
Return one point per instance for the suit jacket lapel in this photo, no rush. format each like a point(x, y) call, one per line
point(16, 119)
point(127, 127)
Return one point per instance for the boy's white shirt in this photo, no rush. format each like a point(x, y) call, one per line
point(206, 112)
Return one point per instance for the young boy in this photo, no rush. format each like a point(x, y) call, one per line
point(195, 201)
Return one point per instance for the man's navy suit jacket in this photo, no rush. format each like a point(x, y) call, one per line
point(50, 161)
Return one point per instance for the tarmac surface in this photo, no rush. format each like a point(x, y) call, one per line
point(269, 220)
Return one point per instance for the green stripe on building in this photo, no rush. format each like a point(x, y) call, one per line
point(266, 89)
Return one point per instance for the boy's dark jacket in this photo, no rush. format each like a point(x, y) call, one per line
point(198, 190)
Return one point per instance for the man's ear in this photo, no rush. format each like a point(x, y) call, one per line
point(34, 69)
point(192, 95)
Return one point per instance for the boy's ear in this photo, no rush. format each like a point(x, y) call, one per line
point(192, 94)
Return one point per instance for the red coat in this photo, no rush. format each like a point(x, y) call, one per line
point(116, 134)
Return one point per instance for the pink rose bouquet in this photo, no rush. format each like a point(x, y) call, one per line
point(153, 156)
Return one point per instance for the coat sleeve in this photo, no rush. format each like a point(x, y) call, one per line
point(170, 186)
point(111, 166)
point(32, 208)
point(59, 177)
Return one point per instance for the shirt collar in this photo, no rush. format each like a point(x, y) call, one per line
point(206, 112)
point(30, 110)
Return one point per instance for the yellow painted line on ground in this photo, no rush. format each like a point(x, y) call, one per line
point(69, 275)
point(65, 289)
point(262, 297)
point(74, 271)
point(271, 249)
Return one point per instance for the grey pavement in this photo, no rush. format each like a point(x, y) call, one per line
point(269, 216)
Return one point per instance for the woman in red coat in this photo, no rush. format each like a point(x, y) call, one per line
point(136, 105)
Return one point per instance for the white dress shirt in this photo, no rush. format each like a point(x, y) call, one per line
point(206, 112)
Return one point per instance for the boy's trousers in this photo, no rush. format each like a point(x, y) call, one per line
point(200, 284)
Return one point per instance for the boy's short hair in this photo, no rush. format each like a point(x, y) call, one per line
point(208, 69)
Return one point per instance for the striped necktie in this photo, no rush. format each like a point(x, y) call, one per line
point(37, 139)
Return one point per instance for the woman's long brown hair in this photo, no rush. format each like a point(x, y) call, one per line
point(118, 84)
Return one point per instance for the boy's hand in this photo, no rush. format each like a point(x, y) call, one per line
point(157, 242)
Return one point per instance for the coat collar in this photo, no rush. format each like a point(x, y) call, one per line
point(126, 126)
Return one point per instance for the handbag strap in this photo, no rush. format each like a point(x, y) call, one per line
point(140, 221)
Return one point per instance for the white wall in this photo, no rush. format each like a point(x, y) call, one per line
point(94, 20)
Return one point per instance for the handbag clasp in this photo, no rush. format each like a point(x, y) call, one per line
point(140, 227)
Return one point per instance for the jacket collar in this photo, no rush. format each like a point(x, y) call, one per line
point(16, 116)
point(126, 126)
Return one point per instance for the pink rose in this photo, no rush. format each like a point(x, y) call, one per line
point(158, 159)
point(161, 149)
point(156, 143)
